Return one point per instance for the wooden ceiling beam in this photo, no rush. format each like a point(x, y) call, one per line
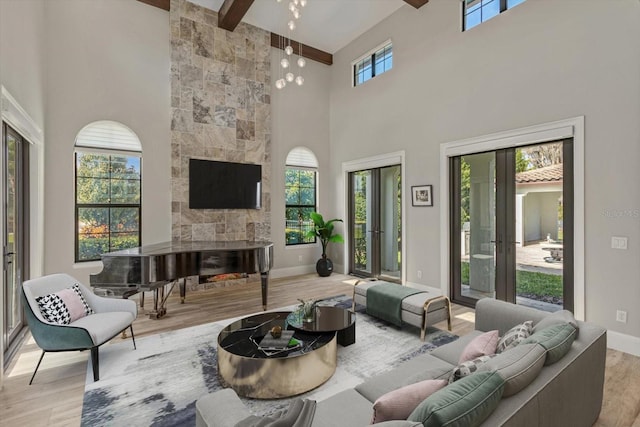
point(231, 13)
point(417, 3)
point(307, 51)
point(162, 4)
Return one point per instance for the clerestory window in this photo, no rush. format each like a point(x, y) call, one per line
point(372, 64)
point(476, 12)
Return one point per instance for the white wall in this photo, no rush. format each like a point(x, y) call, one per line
point(22, 58)
point(542, 61)
point(300, 117)
point(106, 60)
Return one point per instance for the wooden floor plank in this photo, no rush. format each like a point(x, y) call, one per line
point(55, 398)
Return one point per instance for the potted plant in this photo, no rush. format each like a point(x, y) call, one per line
point(307, 310)
point(324, 231)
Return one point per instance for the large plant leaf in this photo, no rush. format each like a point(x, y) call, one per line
point(324, 230)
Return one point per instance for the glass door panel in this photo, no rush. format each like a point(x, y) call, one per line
point(362, 222)
point(478, 226)
point(539, 211)
point(390, 230)
point(14, 158)
point(376, 223)
point(12, 294)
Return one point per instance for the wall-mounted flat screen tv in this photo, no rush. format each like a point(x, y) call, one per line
point(224, 185)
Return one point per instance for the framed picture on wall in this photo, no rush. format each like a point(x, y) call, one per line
point(422, 195)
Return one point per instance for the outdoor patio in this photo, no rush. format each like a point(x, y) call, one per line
point(535, 257)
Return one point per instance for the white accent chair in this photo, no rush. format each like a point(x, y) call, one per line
point(110, 317)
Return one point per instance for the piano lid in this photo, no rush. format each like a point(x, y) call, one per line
point(175, 247)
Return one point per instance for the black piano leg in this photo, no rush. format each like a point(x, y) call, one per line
point(183, 289)
point(264, 278)
point(159, 309)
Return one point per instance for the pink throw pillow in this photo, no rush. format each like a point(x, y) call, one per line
point(482, 345)
point(398, 404)
point(74, 304)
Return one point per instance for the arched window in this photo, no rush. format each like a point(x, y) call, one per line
point(108, 182)
point(301, 174)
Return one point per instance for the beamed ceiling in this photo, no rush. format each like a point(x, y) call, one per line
point(232, 12)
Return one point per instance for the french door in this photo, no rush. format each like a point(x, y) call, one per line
point(375, 223)
point(512, 226)
point(15, 251)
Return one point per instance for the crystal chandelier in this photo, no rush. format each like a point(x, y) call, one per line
point(286, 66)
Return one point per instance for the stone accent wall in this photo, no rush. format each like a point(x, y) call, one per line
point(220, 104)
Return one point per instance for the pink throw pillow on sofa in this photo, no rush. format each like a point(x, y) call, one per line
point(482, 345)
point(398, 404)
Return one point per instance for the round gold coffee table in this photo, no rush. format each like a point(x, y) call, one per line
point(271, 374)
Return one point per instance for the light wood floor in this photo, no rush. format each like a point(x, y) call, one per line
point(55, 398)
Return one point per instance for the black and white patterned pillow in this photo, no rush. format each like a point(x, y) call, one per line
point(515, 336)
point(85, 305)
point(469, 367)
point(65, 306)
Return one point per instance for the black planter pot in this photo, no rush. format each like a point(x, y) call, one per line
point(324, 267)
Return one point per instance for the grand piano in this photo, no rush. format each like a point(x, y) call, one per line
point(153, 267)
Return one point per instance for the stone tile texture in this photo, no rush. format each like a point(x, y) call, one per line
point(220, 102)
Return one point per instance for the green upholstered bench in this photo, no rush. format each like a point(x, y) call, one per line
point(422, 310)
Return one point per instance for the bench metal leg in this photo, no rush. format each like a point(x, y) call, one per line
point(353, 300)
point(447, 307)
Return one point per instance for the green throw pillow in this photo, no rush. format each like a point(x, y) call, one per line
point(558, 317)
point(465, 403)
point(518, 366)
point(556, 339)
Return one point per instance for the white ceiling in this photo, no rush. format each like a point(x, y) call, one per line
point(327, 25)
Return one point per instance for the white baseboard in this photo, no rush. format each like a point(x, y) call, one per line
point(623, 342)
point(299, 270)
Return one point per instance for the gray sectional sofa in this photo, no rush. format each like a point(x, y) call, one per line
point(565, 393)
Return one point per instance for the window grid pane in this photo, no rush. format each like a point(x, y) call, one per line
point(300, 189)
point(374, 65)
point(478, 11)
point(512, 3)
point(108, 209)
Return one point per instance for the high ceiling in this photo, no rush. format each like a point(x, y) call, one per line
point(327, 25)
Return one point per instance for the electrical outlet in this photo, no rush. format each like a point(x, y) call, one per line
point(299, 258)
point(419, 274)
point(621, 316)
point(618, 242)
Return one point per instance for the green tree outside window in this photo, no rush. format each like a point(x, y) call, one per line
point(108, 210)
point(300, 197)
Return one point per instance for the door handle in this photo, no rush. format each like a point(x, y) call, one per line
point(7, 259)
point(498, 243)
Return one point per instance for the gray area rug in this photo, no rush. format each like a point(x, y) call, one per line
point(158, 384)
